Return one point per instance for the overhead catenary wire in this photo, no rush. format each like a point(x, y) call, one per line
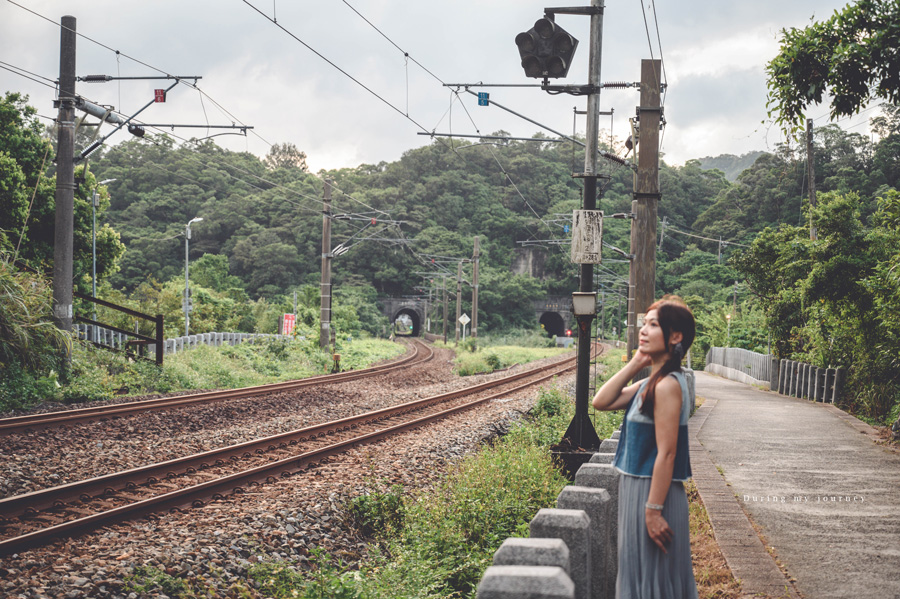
point(51, 83)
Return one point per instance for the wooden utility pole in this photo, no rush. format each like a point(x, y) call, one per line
point(325, 289)
point(65, 180)
point(646, 198)
point(474, 328)
point(458, 297)
point(811, 175)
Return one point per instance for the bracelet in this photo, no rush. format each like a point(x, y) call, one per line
point(653, 506)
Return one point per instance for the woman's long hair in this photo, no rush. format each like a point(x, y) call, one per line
point(673, 315)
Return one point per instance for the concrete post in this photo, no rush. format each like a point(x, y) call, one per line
point(774, 373)
point(818, 380)
point(516, 551)
point(789, 373)
point(804, 380)
point(829, 384)
point(604, 476)
point(839, 377)
point(573, 527)
point(525, 582)
point(608, 445)
point(596, 503)
point(811, 384)
point(601, 458)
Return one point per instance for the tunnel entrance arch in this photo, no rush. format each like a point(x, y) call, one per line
point(553, 324)
point(407, 323)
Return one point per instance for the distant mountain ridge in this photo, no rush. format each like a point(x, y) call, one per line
point(730, 164)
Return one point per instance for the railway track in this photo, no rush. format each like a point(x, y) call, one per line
point(34, 518)
point(421, 353)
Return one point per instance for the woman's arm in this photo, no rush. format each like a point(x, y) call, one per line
point(666, 416)
point(614, 395)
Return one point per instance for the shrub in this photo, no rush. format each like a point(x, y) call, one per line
point(377, 513)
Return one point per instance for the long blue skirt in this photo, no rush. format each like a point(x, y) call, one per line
point(645, 572)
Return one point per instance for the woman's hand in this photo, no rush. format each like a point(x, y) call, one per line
point(658, 529)
point(641, 360)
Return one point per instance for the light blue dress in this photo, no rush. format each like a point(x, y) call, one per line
point(645, 572)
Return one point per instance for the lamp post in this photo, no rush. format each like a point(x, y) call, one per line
point(581, 430)
point(728, 340)
point(187, 285)
point(95, 202)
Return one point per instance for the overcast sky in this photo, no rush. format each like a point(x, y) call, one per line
point(714, 53)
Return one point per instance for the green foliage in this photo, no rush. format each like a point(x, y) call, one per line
point(834, 301)
point(496, 357)
point(30, 344)
point(377, 513)
point(851, 56)
point(148, 579)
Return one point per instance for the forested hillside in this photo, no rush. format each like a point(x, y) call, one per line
point(407, 222)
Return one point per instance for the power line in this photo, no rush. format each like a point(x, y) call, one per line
point(406, 54)
point(673, 229)
point(345, 73)
point(5, 65)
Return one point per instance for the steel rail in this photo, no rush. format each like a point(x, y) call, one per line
point(196, 495)
point(29, 503)
point(48, 419)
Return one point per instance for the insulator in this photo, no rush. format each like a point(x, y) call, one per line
point(618, 84)
point(96, 78)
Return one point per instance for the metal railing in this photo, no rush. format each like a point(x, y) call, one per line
point(752, 364)
point(118, 339)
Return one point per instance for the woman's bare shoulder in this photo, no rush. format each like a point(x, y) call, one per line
point(669, 387)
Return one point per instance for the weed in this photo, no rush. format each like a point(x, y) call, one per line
point(148, 578)
point(377, 513)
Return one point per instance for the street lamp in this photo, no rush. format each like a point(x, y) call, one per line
point(581, 430)
point(95, 202)
point(728, 320)
point(187, 286)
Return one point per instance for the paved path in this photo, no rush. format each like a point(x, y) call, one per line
point(824, 496)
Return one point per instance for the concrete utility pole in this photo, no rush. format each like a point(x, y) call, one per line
point(646, 198)
point(458, 297)
point(474, 329)
point(187, 282)
point(325, 289)
point(444, 283)
point(811, 175)
point(581, 430)
point(65, 180)
point(662, 232)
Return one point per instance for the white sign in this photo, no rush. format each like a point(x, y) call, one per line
point(464, 319)
point(587, 236)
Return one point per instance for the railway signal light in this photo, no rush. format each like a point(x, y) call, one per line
point(546, 50)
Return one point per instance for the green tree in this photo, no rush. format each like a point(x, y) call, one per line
point(24, 156)
point(852, 56)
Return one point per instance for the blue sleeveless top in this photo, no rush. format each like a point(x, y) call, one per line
point(636, 452)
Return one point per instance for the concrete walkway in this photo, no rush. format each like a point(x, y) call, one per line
point(823, 495)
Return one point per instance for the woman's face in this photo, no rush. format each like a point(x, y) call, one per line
point(650, 338)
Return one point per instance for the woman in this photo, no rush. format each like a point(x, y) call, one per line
point(652, 457)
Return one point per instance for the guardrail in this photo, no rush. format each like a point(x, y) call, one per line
point(118, 339)
point(754, 365)
point(788, 377)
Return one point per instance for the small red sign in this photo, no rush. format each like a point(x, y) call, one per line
point(290, 320)
point(159, 95)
